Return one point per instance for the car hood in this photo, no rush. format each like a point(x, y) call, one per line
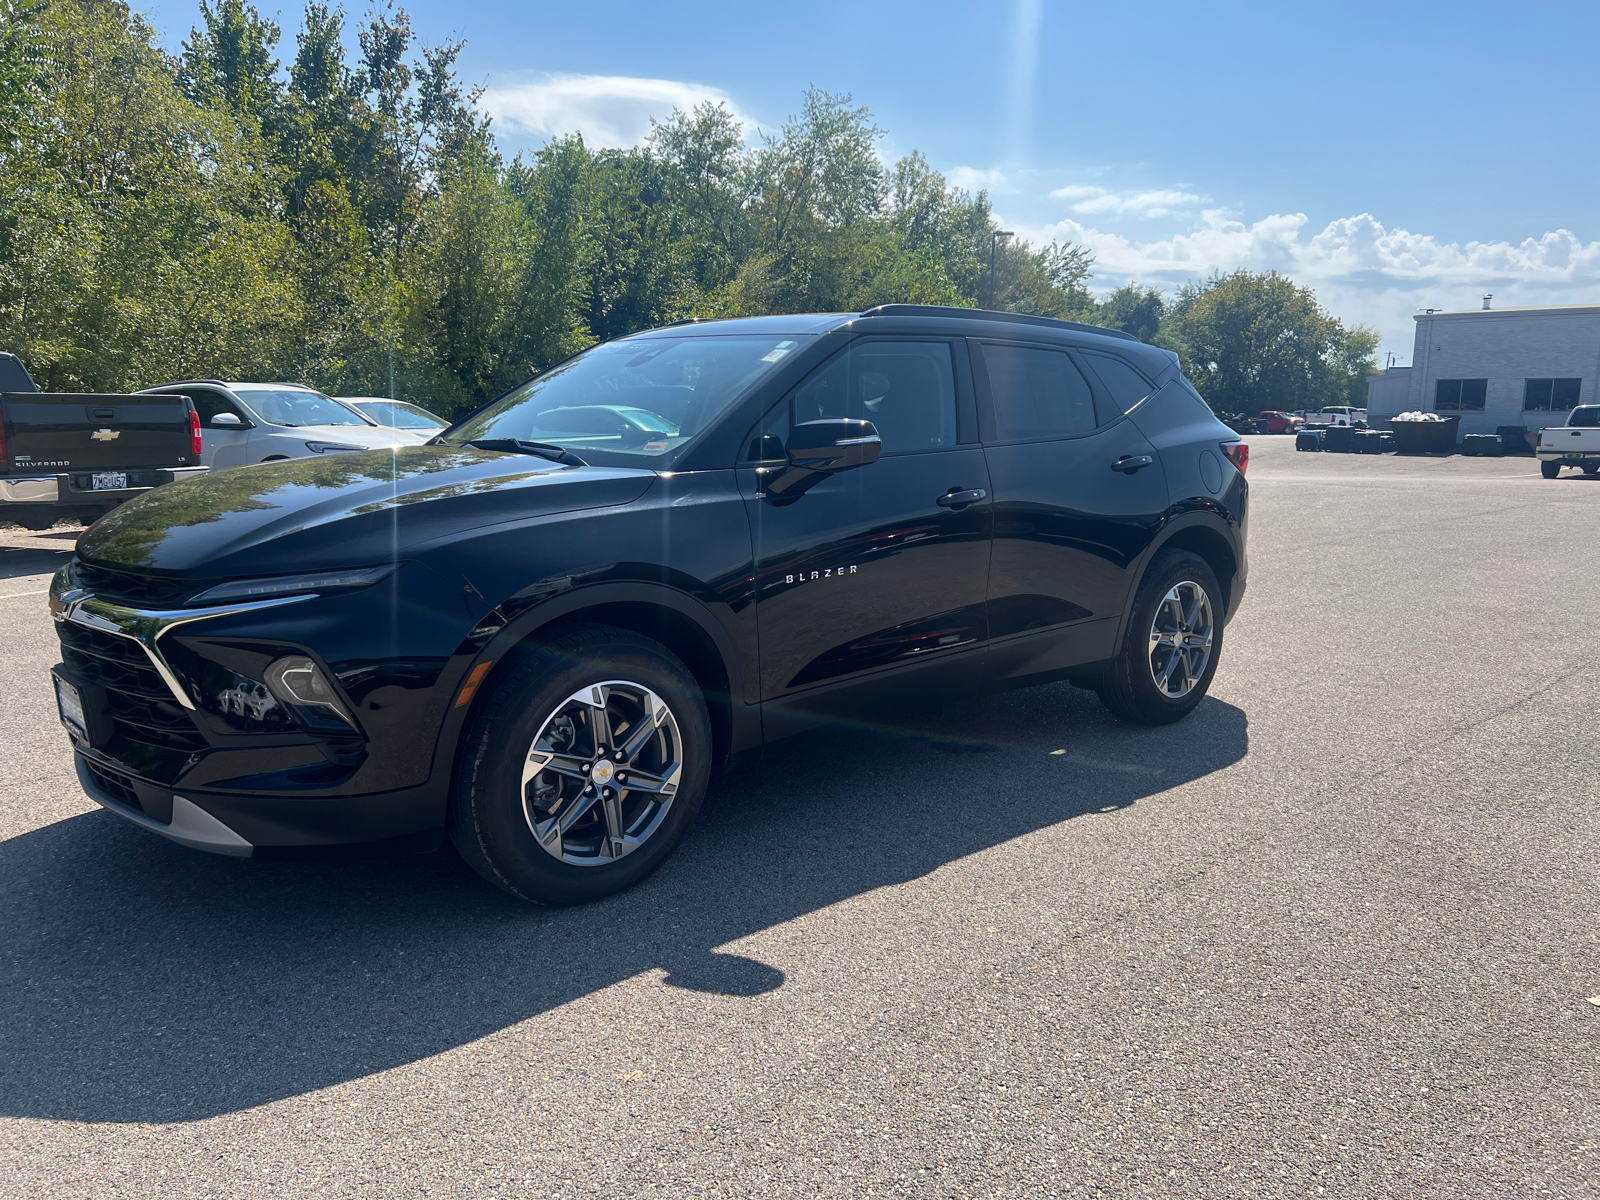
point(341, 510)
point(364, 436)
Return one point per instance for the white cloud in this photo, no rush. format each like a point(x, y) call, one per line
point(611, 111)
point(1360, 270)
point(974, 179)
point(1092, 199)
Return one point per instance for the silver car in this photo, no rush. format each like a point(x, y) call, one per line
point(258, 422)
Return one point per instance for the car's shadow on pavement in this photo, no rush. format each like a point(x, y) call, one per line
point(140, 981)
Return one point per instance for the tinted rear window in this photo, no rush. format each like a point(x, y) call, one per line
point(1036, 394)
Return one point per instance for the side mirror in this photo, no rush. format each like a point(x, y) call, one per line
point(226, 420)
point(823, 447)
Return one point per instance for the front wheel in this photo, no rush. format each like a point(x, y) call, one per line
point(1170, 652)
point(585, 767)
point(1549, 469)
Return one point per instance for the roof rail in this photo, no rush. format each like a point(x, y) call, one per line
point(983, 314)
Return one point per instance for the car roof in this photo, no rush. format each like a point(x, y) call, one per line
point(233, 387)
point(928, 318)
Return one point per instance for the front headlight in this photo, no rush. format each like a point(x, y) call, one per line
point(289, 585)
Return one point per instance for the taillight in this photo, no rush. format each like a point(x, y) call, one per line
point(194, 433)
point(2, 436)
point(1238, 454)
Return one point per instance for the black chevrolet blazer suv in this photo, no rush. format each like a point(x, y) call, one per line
point(541, 632)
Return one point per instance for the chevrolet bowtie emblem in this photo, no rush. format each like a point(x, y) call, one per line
point(106, 435)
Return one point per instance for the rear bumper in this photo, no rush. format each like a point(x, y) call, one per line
point(1564, 456)
point(76, 488)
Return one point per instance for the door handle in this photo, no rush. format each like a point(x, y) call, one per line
point(958, 499)
point(1129, 463)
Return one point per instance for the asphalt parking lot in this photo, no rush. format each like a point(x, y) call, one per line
point(1335, 934)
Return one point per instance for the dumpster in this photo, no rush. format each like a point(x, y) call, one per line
point(1482, 445)
point(1368, 441)
point(1308, 439)
point(1421, 436)
point(1513, 438)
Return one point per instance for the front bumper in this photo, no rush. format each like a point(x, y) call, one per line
point(187, 823)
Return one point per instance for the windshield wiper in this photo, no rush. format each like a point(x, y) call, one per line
point(537, 449)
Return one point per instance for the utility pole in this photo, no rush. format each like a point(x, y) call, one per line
point(994, 246)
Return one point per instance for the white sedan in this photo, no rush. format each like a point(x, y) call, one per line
point(259, 422)
point(400, 415)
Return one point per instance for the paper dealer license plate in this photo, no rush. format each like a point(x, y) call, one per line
point(109, 481)
point(71, 706)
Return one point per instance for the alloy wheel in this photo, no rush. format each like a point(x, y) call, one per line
point(1181, 636)
point(602, 773)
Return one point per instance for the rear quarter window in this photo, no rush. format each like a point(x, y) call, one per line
point(1126, 385)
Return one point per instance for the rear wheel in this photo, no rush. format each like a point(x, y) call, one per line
point(1173, 641)
point(586, 766)
point(1549, 469)
point(1591, 468)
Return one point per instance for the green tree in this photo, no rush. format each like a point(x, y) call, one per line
point(1251, 341)
point(1133, 309)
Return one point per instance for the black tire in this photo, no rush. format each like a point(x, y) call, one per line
point(1128, 687)
point(493, 813)
point(1549, 469)
point(1591, 468)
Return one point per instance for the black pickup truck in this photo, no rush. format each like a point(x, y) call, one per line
point(69, 456)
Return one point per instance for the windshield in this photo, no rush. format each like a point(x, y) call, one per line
point(641, 399)
point(296, 407)
point(1586, 417)
point(398, 414)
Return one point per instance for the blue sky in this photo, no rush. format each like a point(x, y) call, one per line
point(1391, 156)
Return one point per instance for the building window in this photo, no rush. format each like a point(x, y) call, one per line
point(1551, 395)
point(1460, 395)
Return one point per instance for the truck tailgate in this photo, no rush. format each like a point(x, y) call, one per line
point(60, 431)
point(1567, 440)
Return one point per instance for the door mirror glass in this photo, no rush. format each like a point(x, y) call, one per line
point(227, 420)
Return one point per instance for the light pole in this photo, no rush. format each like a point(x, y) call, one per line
point(994, 246)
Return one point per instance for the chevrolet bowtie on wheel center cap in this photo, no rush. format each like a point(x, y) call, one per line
point(601, 775)
point(1180, 639)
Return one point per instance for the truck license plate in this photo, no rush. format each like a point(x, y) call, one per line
point(1577, 455)
point(109, 481)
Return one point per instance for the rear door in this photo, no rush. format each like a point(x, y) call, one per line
point(1078, 494)
point(874, 567)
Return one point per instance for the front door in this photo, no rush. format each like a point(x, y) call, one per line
point(222, 446)
point(1078, 494)
point(877, 566)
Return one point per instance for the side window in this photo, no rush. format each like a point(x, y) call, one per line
point(1036, 393)
point(208, 404)
point(1127, 386)
point(906, 389)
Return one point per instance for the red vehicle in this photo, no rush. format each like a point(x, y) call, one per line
point(1280, 422)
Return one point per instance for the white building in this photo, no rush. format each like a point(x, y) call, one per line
point(1494, 367)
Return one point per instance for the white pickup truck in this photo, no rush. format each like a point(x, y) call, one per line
point(1339, 415)
point(1575, 444)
